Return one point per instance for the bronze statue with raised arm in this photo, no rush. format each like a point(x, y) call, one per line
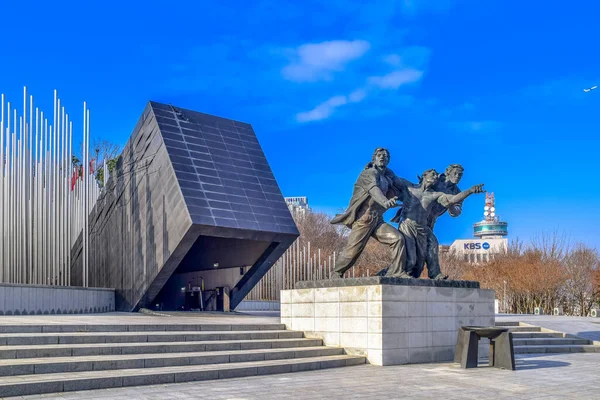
point(375, 191)
point(418, 202)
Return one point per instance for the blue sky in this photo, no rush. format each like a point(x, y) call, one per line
point(494, 85)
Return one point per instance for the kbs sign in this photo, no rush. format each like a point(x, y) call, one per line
point(476, 246)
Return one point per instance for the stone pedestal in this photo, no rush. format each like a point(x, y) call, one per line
point(390, 320)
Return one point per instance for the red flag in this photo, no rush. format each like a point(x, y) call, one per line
point(74, 179)
point(92, 167)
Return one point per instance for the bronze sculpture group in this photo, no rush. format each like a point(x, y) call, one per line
point(413, 244)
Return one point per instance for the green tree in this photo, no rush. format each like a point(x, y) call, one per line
point(105, 150)
point(111, 165)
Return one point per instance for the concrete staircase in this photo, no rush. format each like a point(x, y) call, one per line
point(59, 358)
point(533, 339)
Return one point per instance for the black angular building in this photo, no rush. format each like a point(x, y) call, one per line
point(192, 200)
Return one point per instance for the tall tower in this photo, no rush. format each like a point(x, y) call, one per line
point(491, 227)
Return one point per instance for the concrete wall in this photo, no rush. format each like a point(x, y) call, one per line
point(18, 299)
point(139, 226)
point(390, 324)
point(258, 305)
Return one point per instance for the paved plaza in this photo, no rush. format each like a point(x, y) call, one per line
point(543, 376)
point(122, 318)
point(584, 327)
point(560, 376)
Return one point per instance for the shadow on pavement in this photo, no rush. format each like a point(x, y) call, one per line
point(530, 361)
point(538, 364)
point(591, 335)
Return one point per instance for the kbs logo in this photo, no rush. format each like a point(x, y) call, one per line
point(476, 246)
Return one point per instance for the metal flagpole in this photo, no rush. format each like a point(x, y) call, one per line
point(30, 195)
point(37, 216)
point(10, 198)
point(69, 202)
point(53, 190)
point(42, 208)
point(2, 184)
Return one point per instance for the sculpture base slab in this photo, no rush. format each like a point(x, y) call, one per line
point(390, 323)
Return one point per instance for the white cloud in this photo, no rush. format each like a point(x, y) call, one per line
point(326, 109)
point(393, 59)
point(479, 126)
point(390, 81)
point(323, 110)
point(397, 78)
point(357, 95)
point(412, 56)
point(317, 61)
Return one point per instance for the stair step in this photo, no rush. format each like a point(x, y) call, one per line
point(30, 366)
point(507, 323)
point(548, 341)
point(524, 328)
point(557, 349)
point(24, 385)
point(16, 339)
point(137, 328)
point(524, 335)
point(68, 350)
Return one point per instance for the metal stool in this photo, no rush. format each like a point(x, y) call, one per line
point(502, 354)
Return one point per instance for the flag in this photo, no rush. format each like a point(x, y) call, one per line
point(73, 179)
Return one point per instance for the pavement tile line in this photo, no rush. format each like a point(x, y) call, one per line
point(566, 335)
point(41, 358)
point(530, 338)
point(565, 376)
point(28, 385)
point(417, 381)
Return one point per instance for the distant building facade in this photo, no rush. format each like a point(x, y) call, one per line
point(298, 205)
point(490, 237)
point(477, 251)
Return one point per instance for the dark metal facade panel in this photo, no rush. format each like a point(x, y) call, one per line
point(230, 173)
point(139, 220)
point(182, 174)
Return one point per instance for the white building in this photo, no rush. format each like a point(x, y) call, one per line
point(297, 205)
point(490, 237)
point(479, 250)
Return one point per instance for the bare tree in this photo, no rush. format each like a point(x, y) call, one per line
point(581, 264)
point(545, 272)
point(105, 151)
point(596, 286)
point(552, 246)
point(452, 264)
point(315, 228)
point(534, 276)
point(374, 257)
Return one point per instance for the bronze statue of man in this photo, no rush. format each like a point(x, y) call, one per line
point(375, 191)
point(447, 183)
point(418, 201)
